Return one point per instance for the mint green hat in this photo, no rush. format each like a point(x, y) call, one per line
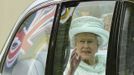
point(89, 24)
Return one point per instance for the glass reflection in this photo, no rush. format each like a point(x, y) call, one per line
point(89, 35)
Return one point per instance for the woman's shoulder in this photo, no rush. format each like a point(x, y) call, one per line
point(102, 56)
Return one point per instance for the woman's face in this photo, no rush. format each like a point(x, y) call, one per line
point(86, 45)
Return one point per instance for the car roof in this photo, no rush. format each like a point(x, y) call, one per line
point(34, 4)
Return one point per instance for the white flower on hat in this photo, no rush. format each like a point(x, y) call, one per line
point(89, 24)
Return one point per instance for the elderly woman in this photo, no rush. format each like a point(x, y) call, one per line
point(87, 35)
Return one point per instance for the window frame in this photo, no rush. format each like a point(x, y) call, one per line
point(15, 29)
point(113, 45)
point(125, 5)
point(113, 60)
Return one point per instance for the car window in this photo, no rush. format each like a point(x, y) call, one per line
point(98, 16)
point(126, 58)
point(27, 54)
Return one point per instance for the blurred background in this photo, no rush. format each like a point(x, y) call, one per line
point(10, 10)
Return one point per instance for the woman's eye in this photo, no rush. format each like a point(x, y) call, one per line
point(82, 41)
point(89, 41)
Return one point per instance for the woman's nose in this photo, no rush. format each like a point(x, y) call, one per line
point(86, 44)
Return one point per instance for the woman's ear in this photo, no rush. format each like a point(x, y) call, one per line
point(98, 44)
point(75, 43)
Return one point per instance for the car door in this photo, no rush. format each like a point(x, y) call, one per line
point(27, 47)
point(118, 20)
point(123, 54)
point(40, 44)
point(60, 56)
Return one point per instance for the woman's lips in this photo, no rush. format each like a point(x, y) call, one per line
point(86, 51)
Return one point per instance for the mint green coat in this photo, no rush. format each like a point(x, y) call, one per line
point(85, 69)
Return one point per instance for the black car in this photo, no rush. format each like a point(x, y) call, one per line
point(39, 43)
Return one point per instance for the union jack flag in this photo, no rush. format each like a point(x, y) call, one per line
point(41, 22)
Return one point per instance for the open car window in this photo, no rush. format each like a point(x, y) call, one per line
point(103, 11)
point(27, 54)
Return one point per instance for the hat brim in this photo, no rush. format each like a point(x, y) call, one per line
point(103, 34)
